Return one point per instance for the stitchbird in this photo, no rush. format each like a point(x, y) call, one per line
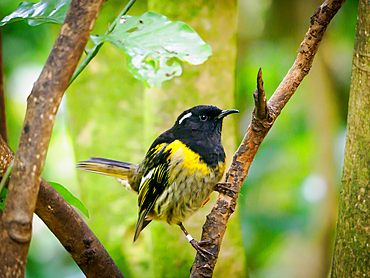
point(179, 172)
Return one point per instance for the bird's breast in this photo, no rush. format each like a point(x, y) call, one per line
point(191, 181)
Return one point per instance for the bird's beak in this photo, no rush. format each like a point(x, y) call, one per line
point(224, 113)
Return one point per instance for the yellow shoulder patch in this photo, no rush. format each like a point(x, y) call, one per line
point(192, 160)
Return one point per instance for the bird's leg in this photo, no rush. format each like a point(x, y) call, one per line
point(224, 188)
point(197, 244)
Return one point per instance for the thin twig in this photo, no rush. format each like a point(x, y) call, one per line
point(215, 225)
point(5, 177)
point(260, 98)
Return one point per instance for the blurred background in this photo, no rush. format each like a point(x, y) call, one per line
point(285, 220)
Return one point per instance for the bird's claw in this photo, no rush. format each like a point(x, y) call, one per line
point(224, 188)
point(203, 252)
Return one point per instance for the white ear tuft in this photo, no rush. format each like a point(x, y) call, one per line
point(184, 117)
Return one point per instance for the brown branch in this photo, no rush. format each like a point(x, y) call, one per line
point(69, 228)
point(215, 225)
point(73, 233)
point(3, 130)
point(42, 106)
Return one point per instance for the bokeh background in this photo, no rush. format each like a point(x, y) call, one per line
point(285, 220)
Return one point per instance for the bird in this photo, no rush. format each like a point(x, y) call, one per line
point(182, 167)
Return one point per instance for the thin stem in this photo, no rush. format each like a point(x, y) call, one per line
point(118, 18)
point(260, 98)
point(92, 53)
point(6, 176)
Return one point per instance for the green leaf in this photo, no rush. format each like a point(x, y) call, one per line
point(4, 180)
point(154, 45)
point(2, 198)
point(45, 11)
point(70, 198)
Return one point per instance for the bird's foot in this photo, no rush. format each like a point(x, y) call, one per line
point(202, 251)
point(224, 188)
point(197, 244)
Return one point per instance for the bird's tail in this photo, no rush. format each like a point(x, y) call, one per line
point(123, 171)
point(108, 167)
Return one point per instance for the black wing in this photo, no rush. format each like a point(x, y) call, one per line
point(153, 183)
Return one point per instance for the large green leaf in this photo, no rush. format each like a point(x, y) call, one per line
point(45, 11)
point(153, 45)
point(69, 197)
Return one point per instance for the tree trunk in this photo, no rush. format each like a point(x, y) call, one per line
point(352, 250)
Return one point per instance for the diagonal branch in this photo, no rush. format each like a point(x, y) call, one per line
point(42, 106)
point(76, 237)
point(215, 225)
point(69, 228)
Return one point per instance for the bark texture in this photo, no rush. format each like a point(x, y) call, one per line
point(42, 106)
point(76, 237)
point(65, 223)
point(215, 226)
point(352, 246)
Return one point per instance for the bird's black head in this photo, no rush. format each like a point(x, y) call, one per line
point(199, 128)
point(202, 118)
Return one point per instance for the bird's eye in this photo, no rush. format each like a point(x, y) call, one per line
point(203, 117)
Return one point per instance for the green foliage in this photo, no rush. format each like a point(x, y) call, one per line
point(45, 11)
point(151, 42)
point(70, 198)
